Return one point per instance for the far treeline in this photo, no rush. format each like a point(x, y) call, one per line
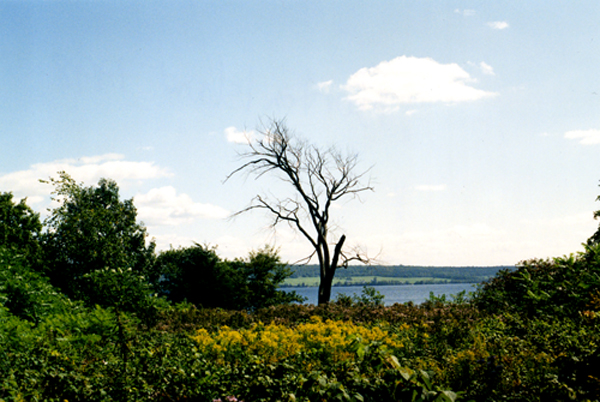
point(468, 274)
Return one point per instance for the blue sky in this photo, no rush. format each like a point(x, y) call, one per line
point(479, 120)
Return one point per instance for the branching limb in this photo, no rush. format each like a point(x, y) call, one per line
point(318, 177)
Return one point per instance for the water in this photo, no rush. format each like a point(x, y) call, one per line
point(393, 293)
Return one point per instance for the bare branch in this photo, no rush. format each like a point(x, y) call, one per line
point(305, 260)
point(318, 177)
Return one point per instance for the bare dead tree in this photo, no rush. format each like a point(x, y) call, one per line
point(319, 178)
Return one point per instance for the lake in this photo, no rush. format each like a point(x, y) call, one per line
point(393, 293)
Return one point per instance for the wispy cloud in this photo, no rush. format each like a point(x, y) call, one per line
point(466, 12)
point(325, 86)
point(585, 137)
point(407, 80)
point(238, 137)
point(486, 68)
point(164, 207)
point(498, 25)
point(431, 187)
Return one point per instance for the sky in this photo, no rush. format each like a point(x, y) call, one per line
point(478, 121)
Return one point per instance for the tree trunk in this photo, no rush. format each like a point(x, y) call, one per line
point(328, 274)
point(325, 289)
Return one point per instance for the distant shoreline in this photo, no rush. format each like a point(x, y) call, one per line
point(381, 283)
point(308, 275)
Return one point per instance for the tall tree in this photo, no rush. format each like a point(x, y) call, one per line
point(318, 178)
point(90, 231)
point(20, 227)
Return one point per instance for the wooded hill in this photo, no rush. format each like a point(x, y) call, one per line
point(391, 273)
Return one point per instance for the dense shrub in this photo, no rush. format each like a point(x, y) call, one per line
point(558, 287)
point(25, 293)
point(20, 228)
point(98, 355)
point(123, 290)
point(199, 276)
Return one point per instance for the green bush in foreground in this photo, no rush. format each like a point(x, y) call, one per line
point(553, 288)
point(531, 335)
point(97, 355)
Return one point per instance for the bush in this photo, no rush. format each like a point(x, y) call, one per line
point(558, 287)
point(20, 228)
point(25, 293)
point(123, 290)
point(369, 297)
point(199, 276)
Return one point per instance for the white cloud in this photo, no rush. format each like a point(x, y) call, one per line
point(25, 183)
point(164, 207)
point(430, 187)
point(406, 80)
point(238, 137)
point(466, 13)
point(498, 25)
point(324, 86)
point(585, 137)
point(411, 112)
point(486, 68)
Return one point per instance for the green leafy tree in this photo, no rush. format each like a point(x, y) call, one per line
point(90, 231)
point(20, 227)
point(198, 275)
point(263, 272)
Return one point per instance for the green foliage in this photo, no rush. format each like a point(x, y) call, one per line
point(97, 355)
point(263, 272)
point(125, 290)
point(20, 227)
point(25, 293)
point(368, 297)
point(196, 274)
point(199, 276)
point(90, 231)
point(460, 298)
point(558, 287)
